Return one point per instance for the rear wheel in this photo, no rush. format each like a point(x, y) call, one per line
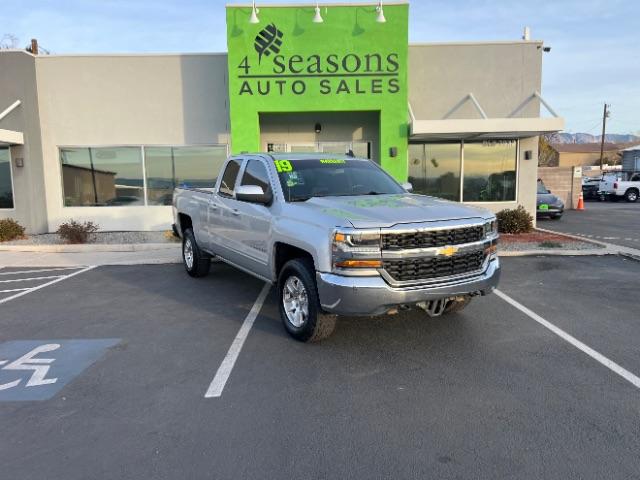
point(300, 308)
point(631, 195)
point(196, 262)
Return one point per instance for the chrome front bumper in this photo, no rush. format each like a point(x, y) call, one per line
point(345, 295)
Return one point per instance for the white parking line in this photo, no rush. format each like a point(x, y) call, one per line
point(32, 278)
point(222, 375)
point(18, 272)
point(610, 364)
point(14, 290)
point(56, 280)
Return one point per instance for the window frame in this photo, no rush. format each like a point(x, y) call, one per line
point(461, 143)
point(142, 147)
point(194, 145)
point(517, 165)
point(260, 161)
point(241, 166)
point(13, 187)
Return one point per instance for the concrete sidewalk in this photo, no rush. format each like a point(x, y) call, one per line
point(148, 254)
point(143, 256)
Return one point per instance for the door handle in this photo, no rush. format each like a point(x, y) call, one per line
point(235, 211)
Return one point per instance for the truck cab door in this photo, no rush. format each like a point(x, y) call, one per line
point(223, 214)
point(252, 231)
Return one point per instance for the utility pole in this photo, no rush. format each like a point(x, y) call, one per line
point(605, 114)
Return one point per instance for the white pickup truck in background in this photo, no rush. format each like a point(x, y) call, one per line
point(622, 185)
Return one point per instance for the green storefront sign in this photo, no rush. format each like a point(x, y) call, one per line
point(287, 64)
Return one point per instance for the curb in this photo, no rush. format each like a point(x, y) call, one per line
point(578, 237)
point(630, 256)
point(557, 253)
point(627, 252)
point(90, 248)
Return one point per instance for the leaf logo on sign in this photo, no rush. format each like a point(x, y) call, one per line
point(268, 41)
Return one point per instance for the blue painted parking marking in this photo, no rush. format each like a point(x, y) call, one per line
point(38, 369)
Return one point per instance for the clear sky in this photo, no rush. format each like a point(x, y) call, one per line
point(595, 54)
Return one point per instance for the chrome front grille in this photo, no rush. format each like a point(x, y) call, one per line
point(422, 268)
point(432, 238)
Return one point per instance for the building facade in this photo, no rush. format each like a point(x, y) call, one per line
point(106, 138)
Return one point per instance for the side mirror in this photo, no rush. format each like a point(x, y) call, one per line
point(548, 191)
point(253, 194)
point(407, 186)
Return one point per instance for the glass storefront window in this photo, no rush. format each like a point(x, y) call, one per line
point(6, 188)
point(168, 167)
point(434, 169)
point(489, 171)
point(99, 177)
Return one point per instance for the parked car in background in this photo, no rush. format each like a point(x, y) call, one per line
point(623, 185)
point(590, 188)
point(547, 204)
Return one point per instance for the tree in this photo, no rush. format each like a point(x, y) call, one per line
point(8, 41)
point(547, 155)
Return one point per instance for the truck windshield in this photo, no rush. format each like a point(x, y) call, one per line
point(328, 177)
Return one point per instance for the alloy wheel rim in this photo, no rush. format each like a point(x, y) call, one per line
point(188, 253)
point(295, 301)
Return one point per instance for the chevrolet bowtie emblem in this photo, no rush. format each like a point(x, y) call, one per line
point(447, 251)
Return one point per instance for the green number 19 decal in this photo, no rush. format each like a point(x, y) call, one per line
point(283, 165)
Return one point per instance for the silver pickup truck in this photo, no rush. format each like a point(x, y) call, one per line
point(338, 236)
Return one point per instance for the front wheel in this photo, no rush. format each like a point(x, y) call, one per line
point(196, 262)
point(631, 195)
point(300, 308)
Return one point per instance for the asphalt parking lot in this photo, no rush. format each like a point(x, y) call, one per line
point(123, 357)
point(612, 222)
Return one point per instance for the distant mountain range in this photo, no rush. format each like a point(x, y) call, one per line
point(588, 138)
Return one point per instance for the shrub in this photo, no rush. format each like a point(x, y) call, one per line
point(10, 230)
point(76, 232)
point(516, 220)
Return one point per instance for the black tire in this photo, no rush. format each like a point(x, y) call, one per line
point(457, 305)
point(317, 325)
point(631, 195)
point(200, 262)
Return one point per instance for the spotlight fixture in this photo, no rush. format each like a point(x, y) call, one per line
point(254, 14)
point(318, 128)
point(317, 18)
point(380, 18)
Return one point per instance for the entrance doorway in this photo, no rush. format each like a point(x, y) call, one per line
point(326, 132)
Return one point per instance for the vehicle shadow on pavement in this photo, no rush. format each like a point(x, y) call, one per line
point(225, 296)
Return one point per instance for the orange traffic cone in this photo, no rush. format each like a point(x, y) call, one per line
point(580, 202)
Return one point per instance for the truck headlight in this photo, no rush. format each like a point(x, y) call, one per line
point(356, 250)
point(491, 228)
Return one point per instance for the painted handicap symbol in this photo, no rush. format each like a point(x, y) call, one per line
point(38, 365)
point(38, 369)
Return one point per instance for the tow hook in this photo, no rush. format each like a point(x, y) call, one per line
point(434, 308)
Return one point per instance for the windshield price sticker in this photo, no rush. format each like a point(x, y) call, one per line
point(283, 166)
point(333, 161)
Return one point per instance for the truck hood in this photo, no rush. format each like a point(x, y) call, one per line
point(383, 211)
